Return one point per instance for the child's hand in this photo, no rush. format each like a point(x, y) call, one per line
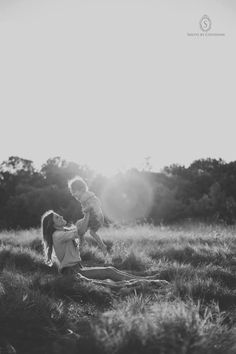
point(87, 209)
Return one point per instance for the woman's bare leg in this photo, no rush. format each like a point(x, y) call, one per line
point(147, 277)
point(102, 273)
point(112, 273)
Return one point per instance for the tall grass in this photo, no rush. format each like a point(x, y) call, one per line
point(44, 312)
point(162, 327)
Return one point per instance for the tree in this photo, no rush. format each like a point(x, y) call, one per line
point(16, 165)
point(58, 171)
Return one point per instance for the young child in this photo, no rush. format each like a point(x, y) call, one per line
point(90, 204)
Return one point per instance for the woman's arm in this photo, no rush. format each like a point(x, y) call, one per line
point(82, 224)
point(64, 236)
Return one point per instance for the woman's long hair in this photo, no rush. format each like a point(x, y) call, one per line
point(47, 227)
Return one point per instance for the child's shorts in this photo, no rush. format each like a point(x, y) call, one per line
point(95, 222)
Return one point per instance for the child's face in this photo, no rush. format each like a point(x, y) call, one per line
point(77, 194)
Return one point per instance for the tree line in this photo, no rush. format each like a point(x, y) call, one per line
point(206, 190)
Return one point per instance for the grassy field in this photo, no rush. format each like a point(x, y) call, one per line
point(42, 312)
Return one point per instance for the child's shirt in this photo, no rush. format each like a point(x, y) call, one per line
point(89, 200)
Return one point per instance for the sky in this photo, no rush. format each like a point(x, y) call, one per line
point(109, 83)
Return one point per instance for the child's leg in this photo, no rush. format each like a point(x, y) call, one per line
point(99, 241)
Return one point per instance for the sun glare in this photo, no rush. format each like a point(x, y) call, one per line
point(126, 200)
point(108, 164)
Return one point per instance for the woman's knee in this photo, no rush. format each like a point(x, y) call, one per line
point(111, 268)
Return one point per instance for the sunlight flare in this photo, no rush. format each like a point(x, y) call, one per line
point(127, 200)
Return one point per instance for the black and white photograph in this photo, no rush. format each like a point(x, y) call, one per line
point(117, 177)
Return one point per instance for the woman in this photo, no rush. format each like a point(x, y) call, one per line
point(62, 240)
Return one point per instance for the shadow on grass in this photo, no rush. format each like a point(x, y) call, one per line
point(24, 260)
point(171, 271)
point(71, 288)
point(29, 320)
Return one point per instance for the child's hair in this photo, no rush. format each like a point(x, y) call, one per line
point(77, 184)
point(47, 227)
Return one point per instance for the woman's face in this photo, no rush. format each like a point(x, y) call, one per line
point(58, 220)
